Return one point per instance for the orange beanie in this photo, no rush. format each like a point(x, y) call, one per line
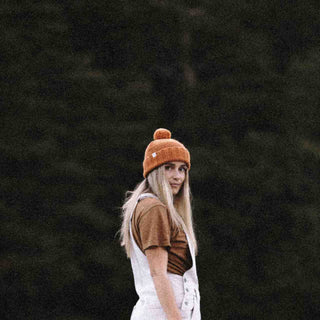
point(164, 149)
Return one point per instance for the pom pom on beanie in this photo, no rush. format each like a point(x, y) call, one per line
point(161, 134)
point(164, 149)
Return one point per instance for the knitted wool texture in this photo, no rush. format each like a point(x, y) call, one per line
point(164, 149)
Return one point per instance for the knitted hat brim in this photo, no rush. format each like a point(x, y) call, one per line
point(166, 155)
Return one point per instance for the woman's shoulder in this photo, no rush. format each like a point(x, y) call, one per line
point(151, 211)
point(148, 203)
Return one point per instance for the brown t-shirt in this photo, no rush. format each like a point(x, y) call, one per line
point(151, 226)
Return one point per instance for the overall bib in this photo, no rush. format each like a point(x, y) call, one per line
point(186, 287)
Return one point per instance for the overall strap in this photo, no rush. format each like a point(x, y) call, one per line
point(147, 195)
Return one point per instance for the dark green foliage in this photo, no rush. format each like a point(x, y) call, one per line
point(83, 87)
point(257, 217)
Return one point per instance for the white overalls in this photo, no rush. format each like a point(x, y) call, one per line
point(186, 287)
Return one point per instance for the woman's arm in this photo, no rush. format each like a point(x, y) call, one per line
point(158, 261)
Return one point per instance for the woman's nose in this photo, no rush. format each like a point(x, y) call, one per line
point(177, 174)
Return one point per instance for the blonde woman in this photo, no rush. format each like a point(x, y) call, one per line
point(158, 236)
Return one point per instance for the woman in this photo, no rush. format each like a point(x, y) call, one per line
point(157, 233)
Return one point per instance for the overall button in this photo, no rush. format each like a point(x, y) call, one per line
point(185, 280)
point(187, 289)
point(186, 303)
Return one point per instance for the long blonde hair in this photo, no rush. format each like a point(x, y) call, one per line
point(179, 207)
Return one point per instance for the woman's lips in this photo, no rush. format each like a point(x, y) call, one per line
point(175, 185)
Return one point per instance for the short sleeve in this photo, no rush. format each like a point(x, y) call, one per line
point(154, 228)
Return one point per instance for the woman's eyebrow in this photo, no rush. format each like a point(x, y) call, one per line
point(173, 165)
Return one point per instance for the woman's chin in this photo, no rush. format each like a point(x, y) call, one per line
point(175, 192)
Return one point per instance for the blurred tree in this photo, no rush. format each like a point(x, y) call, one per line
point(302, 95)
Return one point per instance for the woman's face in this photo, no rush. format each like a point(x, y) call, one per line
point(175, 172)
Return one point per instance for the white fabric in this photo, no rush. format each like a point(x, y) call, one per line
point(186, 287)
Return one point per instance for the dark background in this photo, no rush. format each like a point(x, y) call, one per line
point(84, 84)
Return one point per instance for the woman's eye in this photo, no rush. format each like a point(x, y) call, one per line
point(167, 167)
